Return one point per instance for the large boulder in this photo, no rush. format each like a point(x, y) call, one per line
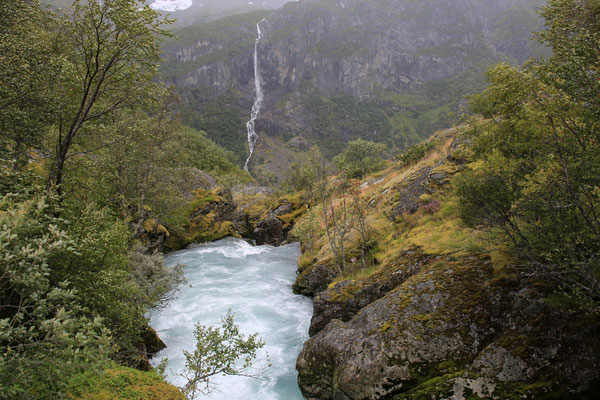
point(450, 331)
point(344, 299)
point(269, 231)
point(278, 220)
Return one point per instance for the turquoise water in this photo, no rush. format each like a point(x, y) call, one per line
point(255, 283)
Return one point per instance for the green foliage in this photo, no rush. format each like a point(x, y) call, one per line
point(223, 123)
point(360, 158)
point(27, 59)
point(414, 153)
point(121, 383)
point(537, 168)
point(301, 176)
point(156, 284)
point(219, 351)
point(98, 269)
point(110, 55)
point(45, 335)
point(111, 280)
point(308, 229)
point(343, 118)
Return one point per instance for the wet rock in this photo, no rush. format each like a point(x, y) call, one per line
point(377, 352)
point(269, 231)
point(314, 280)
point(444, 330)
point(346, 298)
point(275, 224)
point(152, 341)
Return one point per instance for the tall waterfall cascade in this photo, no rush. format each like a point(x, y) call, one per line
point(258, 93)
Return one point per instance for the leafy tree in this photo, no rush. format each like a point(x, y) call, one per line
point(301, 176)
point(219, 351)
point(414, 153)
point(338, 218)
point(111, 280)
point(28, 64)
point(359, 209)
point(45, 335)
point(537, 169)
point(360, 158)
point(111, 55)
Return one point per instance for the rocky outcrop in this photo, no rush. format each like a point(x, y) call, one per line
point(419, 184)
point(346, 298)
point(447, 323)
point(314, 280)
point(273, 227)
point(269, 231)
point(149, 344)
point(211, 219)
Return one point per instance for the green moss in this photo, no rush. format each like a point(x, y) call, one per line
point(150, 225)
point(122, 383)
point(290, 218)
point(430, 380)
point(539, 390)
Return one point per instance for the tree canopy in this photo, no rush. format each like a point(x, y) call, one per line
point(537, 169)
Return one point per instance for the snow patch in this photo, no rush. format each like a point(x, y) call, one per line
point(171, 5)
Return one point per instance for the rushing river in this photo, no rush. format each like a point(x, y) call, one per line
point(255, 282)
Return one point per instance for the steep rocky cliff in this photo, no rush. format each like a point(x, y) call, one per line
point(334, 70)
point(440, 310)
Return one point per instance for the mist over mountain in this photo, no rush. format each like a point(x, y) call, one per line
point(188, 12)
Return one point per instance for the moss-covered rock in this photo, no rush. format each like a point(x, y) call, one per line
point(344, 299)
point(441, 312)
point(211, 218)
point(122, 383)
point(279, 219)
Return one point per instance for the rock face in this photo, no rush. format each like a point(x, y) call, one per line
point(447, 323)
point(437, 319)
point(269, 231)
point(357, 46)
point(273, 227)
point(334, 70)
point(346, 298)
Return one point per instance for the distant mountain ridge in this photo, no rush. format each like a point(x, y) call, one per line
point(200, 11)
point(335, 70)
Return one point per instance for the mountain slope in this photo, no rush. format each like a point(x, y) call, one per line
point(336, 70)
point(440, 309)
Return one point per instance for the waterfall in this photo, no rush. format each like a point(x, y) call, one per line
point(252, 136)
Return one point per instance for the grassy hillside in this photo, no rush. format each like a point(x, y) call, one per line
point(437, 304)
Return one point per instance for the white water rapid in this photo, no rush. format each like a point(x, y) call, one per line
point(258, 98)
point(255, 282)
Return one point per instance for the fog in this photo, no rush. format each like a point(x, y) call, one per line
point(188, 12)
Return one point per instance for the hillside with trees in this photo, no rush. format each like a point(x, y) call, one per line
point(465, 266)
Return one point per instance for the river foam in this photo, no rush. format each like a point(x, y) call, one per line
point(255, 283)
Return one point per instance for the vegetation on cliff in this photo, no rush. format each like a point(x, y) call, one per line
point(480, 277)
point(536, 173)
point(334, 72)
